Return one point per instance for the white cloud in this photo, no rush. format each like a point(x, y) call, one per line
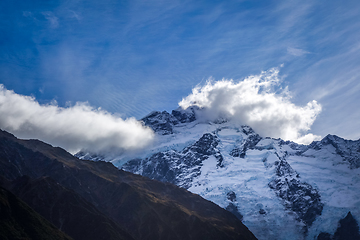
point(73, 128)
point(257, 101)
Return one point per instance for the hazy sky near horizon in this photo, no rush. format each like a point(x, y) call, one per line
point(133, 57)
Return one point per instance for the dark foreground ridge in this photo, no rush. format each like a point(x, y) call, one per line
point(19, 221)
point(66, 209)
point(64, 189)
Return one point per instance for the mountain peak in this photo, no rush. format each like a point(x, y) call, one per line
point(164, 122)
point(273, 180)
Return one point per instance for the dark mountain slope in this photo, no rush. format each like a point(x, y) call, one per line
point(147, 209)
point(66, 209)
point(19, 221)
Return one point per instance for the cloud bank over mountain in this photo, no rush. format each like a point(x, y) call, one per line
point(257, 101)
point(73, 128)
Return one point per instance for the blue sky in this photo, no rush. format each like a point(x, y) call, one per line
point(133, 57)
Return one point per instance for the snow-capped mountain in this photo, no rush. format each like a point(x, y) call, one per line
point(279, 189)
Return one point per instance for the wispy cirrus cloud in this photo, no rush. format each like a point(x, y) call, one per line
point(53, 20)
point(296, 51)
point(134, 56)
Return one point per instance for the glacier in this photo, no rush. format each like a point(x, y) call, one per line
point(279, 189)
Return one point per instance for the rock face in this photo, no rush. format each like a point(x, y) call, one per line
point(348, 150)
point(299, 197)
point(19, 221)
point(144, 208)
point(348, 228)
point(167, 166)
point(281, 188)
point(164, 122)
point(231, 196)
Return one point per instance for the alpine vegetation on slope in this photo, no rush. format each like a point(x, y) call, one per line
point(280, 189)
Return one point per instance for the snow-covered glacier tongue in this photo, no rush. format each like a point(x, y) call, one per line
point(279, 189)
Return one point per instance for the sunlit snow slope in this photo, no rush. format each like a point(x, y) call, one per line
point(280, 190)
